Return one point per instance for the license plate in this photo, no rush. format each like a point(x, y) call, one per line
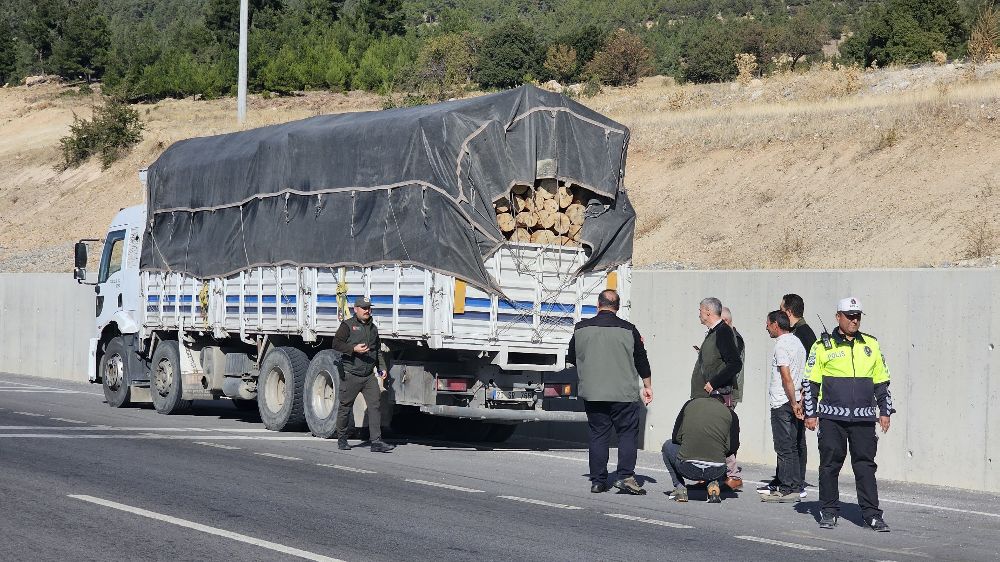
point(512, 395)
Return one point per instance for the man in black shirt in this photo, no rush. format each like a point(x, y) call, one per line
point(795, 308)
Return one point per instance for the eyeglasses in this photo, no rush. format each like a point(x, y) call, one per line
point(853, 316)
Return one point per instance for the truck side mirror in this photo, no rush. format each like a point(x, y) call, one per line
point(80, 256)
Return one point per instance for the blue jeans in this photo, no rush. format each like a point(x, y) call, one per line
point(681, 469)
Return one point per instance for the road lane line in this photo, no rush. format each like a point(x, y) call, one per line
point(779, 543)
point(650, 521)
point(563, 457)
point(67, 420)
point(206, 529)
point(539, 502)
point(217, 445)
point(445, 486)
point(109, 428)
point(348, 468)
point(811, 536)
point(30, 414)
point(154, 436)
point(282, 457)
point(39, 390)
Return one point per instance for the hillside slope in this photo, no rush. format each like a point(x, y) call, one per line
point(826, 169)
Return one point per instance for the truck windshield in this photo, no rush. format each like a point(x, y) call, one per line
point(111, 260)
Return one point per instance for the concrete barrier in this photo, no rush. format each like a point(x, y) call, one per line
point(938, 329)
point(45, 322)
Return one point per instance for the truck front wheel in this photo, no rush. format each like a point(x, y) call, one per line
point(321, 394)
point(165, 383)
point(114, 375)
point(279, 388)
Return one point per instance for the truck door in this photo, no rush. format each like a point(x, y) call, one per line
point(109, 280)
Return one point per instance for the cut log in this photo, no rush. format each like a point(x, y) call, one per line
point(561, 223)
point(567, 241)
point(575, 213)
point(526, 219)
point(564, 196)
point(547, 188)
point(520, 189)
point(506, 223)
point(543, 237)
point(524, 203)
point(548, 205)
point(574, 231)
point(521, 235)
point(502, 205)
point(546, 219)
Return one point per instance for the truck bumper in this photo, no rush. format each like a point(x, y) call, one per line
point(497, 414)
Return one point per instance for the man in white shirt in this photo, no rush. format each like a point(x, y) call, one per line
point(784, 393)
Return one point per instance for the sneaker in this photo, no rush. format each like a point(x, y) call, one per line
point(768, 487)
point(827, 520)
point(777, 497)
point(802, 492)
point(343, 445)
point(598, 487)
point(381, 447)
point(878, 525)
point(630, 486)
point(714, 494)
point(680, 494)
point(734, 483)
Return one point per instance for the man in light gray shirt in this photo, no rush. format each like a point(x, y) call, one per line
point(784, 392)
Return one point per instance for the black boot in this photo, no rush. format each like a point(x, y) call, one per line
point(381, 447)
point(342, 444)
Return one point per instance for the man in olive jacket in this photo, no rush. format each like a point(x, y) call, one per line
point(614, 376)
point(361, 351)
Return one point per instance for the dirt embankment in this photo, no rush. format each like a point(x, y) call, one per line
point(834, 168)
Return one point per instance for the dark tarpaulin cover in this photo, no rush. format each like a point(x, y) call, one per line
point(408, 186)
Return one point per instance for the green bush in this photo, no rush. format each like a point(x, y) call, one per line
point(114, 129)
point(508, 53)
point(623, 60)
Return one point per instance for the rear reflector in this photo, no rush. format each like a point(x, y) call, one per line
point(453, 385)
point(556, 390)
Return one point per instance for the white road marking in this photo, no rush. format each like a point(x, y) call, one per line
point(348, 468)
point(30, 414)
point(33, 387)
point(206, 529)
point(109, 428)
point(904, 552)
point(217, 445)
point(282, 457)
point(650, 521)
point(539, 502)
point(779, 543)
point(67, 420)
point(446, 486)
point(154, 436)
point(40, 390)
point(563, 457)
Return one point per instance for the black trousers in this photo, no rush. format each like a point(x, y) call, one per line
point(367, 386)
point(790, 447)
point(835, 439)
point(601, 418)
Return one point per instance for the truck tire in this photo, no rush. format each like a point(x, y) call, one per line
point(322, 386)
point(279, 389)
point(114, 374)
point(165, 384)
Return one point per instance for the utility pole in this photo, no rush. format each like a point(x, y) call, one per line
point(241, 87)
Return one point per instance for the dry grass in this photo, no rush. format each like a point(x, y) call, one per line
point(985, 36)
point(979, 238)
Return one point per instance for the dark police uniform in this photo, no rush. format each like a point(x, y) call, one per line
point(357, 372)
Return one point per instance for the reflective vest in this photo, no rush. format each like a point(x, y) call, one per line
point(849, 381)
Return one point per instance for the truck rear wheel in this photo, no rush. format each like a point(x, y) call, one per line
point(114, 374)
point(165, 385)
point(279, 389)
point(322, 385)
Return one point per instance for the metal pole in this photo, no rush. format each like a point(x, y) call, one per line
point(241, 88)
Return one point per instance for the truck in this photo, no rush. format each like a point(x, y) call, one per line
point(231, 280)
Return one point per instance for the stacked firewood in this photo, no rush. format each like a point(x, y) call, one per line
point(550, 212)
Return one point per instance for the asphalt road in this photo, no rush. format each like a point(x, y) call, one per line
point(81, 481)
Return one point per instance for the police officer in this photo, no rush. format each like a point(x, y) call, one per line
point(847, 388)
point(361, 351)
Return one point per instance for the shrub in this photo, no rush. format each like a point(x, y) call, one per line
point(746, 66)
point(985, 35)
point(508, 53)
point(561, 61)
point(114, 129)
point(445, 64)
point(980, 238)
point(623, 60)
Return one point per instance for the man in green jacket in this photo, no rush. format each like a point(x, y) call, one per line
point(705, 433)
point(361, 352)
point(614, 376)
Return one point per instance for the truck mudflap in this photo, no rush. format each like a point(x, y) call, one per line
point(498, 414)
point(92, 359)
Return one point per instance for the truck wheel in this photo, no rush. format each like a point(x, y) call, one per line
point(322, 385)
point(165, 385)
point(114, 374)
point(279, 389)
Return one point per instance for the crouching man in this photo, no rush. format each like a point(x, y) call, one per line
point(705, 433)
